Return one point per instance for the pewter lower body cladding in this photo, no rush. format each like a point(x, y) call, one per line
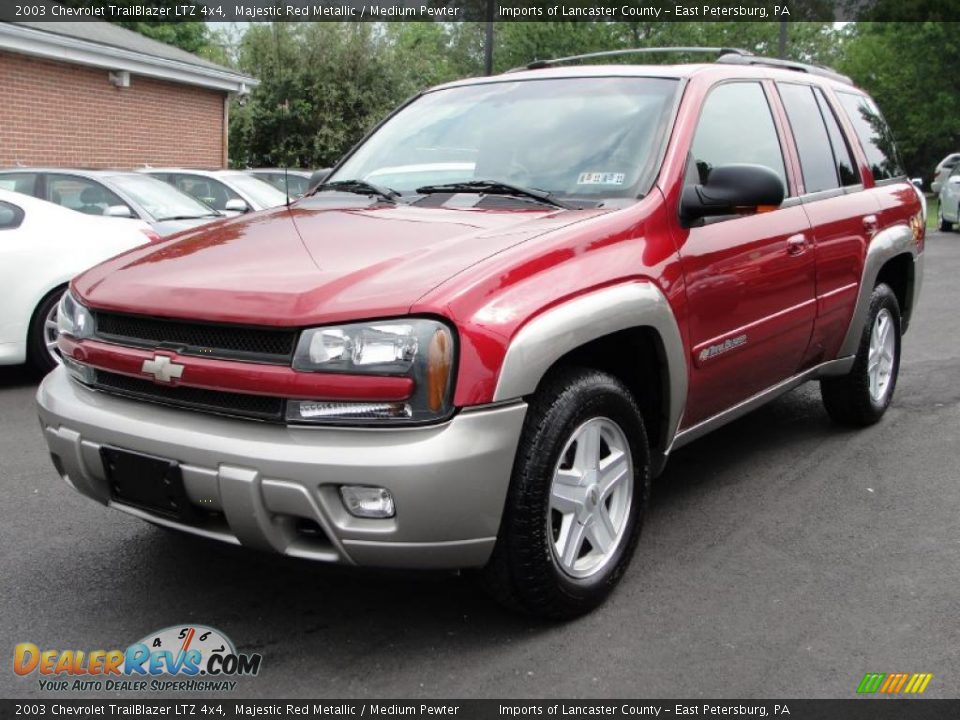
point(276, 487)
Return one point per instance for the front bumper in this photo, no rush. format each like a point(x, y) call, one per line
point(276, 487)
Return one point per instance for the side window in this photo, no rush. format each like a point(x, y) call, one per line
point(810, 134)
point(874, 134)
point(25, 183)
point(10, 216)
point(736, 126)
point(846, 165)
point(81, 194)
point(207, 190)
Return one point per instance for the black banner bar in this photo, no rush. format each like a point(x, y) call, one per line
point(477, 10)
point(853, 709)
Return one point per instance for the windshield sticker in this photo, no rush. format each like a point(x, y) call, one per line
point(601, 178)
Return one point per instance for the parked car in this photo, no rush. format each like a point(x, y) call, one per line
point(295, 183)
point(948, 214)
point(231, 192)
point(112, 193)
point(635, 256)
point(42, 246)
point(943, 170)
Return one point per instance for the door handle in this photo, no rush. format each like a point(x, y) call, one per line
point(870, 224)
point(797, 244)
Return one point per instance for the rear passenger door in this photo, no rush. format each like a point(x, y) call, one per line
point(749, 278)
point(843, 217)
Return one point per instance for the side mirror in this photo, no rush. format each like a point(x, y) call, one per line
point(918, 183)
point(119, 211)
point(236, 205)
point(732, 189)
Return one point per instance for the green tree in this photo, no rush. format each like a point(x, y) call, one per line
point(912, 69)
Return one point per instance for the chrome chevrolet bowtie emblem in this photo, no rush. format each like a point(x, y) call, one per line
point(162, 369)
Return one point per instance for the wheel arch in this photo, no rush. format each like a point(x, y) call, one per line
point(628, 330)
point(892, 257)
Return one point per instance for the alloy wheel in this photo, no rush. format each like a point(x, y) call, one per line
point(881, 356)
point(590, 498)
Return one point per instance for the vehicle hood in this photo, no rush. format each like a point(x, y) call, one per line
point(311, 263)
point(163, 228)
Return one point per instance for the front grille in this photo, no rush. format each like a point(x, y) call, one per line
point(202, 339)
point(258, 407)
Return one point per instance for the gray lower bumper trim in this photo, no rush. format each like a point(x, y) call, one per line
point(260, 482)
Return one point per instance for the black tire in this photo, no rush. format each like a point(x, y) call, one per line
point(848, 399)
point(37, 355)
point(523, 573)
point(945, 226)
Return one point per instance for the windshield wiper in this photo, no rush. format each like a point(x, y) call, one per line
point(495, 187)
point(360, 187)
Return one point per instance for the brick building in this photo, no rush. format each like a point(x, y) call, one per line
point(92, 94)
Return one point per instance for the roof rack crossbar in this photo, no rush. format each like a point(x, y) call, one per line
point(718, 51)
point(821, 70)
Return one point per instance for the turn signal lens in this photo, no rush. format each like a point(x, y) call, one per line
point(439, 362)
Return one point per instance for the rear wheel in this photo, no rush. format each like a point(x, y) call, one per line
point(862, 397)
point(42, 353)
point(580, 486)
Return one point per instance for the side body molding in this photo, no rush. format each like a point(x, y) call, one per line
point(550, 336)
point(887, 244)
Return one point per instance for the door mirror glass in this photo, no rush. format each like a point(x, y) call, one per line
point(119, 211)
point(236, 205)
point(732, 189)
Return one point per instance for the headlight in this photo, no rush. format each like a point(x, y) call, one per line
point(73, 319)
point(420, 349)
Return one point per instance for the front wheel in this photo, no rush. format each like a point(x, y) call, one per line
point(862, 397)
point(580, 485)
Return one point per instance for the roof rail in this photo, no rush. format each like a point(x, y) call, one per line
point(731, 59)
point(718, 51)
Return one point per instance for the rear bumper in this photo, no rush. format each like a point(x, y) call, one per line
point(257, 483)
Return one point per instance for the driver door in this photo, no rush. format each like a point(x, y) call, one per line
point(749, 278)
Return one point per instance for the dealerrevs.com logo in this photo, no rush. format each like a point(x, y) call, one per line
point(189, 658)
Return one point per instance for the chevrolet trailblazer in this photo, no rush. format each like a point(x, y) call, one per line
point(476, 343)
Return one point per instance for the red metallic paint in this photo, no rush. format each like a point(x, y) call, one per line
point(241, 377)
point(491, 272)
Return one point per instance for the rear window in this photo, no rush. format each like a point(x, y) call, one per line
point(874, 134)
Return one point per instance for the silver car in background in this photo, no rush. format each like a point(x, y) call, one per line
point(943, 170)
point(112, 193)
point(293, 181)
point(948, 214)
point(231, 192)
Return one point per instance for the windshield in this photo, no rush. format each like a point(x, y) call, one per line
point(161, 201)
point(573, 137)
point(260, 191)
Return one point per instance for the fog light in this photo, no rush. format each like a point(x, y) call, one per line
point(367, 502)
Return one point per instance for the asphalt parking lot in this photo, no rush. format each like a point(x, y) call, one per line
point(782, 557)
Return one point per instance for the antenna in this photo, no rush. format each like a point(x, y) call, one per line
point(285, 108)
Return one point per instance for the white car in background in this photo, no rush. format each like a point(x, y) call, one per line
point(231, 192)
point(943, 170)
point(948, 212)
point(42, 246)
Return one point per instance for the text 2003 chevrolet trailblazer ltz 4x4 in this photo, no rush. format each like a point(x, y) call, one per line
point(477, 342)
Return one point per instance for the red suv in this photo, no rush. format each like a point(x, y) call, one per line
point(476, 343)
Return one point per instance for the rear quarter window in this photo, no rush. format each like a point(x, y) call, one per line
point(874, 135)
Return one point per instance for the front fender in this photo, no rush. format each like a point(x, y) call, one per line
point(572, 324)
